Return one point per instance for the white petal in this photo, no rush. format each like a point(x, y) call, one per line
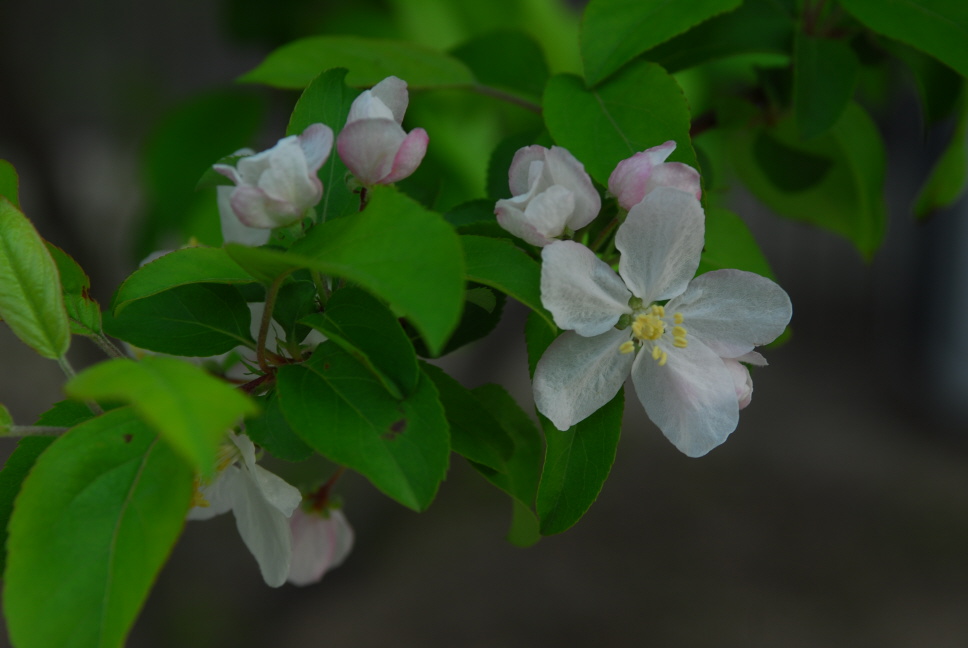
point(318, 544)
point(233, 230)
point(277, 491)
point(732, 311)
point(526, 168)
point(393, 93)
point(264, 530)
point(368, 148)
point(512, 219)
point(581, 291)
point(742, 381)
point(691, 398)
point(677, 176)
point(567, 171)
point(578, 375)
point(218, 494)
point(660, 242)
point(549, 210)
point(368, 106)
point(316, 142)
point(289, 179)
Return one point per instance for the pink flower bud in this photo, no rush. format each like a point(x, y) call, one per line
point(321, 540)
point(373, 144)
point(274, 188)
point(635, 177)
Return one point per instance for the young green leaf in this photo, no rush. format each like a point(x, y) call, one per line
point(638, 108)
point(950, 173)
point(824, 73)
point(506, 59)
point(616, 31)
point(14, 472)
point(369, 60)
point(9, 183)
point(83, 312)
point(730, 244)
point(31, 302)
point(938, 27)
point(366, 329)
point(270, 430)
point(192, 320)
point(338, 408)
point(96, 518)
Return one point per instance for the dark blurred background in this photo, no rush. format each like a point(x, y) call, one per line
point(836, 515)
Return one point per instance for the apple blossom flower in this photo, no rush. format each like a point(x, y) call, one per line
point(277, 187)
point(551, 192)
point(321, 540)
point(262, 503)
point(636, 176)
point(373, 144)
point(673, 349)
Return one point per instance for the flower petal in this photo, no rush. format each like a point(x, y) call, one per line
point(409, 156)
point(218, 494)
point(289, 179)
point(522, 173)
point(677, 176)
point(692, 398)
point(256, 209)
point(276, 490)
point(368, 148)
point(660, 242)
point(368, 106)
point(392, 91)
point(320, 542)
point(316, 143)
point(567, 171)
point(581, 291)
point(742, 382)
point(512, 219)
point(264, 529)
point(234, 230)
point(629, 181)
point(732, 311)
point(578, 375)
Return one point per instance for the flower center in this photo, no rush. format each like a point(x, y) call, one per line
point(651, 328)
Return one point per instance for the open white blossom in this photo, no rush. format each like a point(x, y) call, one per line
point(262, 503)
point(675, 349)
point(551, 192)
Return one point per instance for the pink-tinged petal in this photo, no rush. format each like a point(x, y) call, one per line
point(581, 291)
point(522, 173)
point(578, 375)
point(368, 148)
point(732, 311)
point(393, 93)
point(512, 219)
point(660, 241)
point(742, 382)
point(628, 182)
point(255, 209)
point(233, 230)
point(320, 542)
point(316, 143)
point(691, 398)
point(368, 106)
point(228, 171)
point(288, 179)
point(677, 176)
point(567, 171)
point(409, 156)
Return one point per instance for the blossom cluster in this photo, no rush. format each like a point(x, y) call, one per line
point(685, 340)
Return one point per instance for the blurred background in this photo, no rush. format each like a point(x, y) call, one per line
point(836, 515)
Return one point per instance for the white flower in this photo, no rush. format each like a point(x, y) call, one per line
point(635, 177)
point(551, 192)
point(321, 540)
point(674, 352)
point(261, 502)
point(373, 144)
point(278, 186)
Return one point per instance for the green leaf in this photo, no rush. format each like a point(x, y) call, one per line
point(577, 463)
point(938, 27)
point(367, 330)
point(11, 480)
point(824, 73)
point(190, 320)
point(789, 169)
point(270, 430)
point(327, 100)
point(370, 60)
point(482, 313)
point(538, 337)
point(83, 311)
point(31, 302)
point(616, 31)
point(757, 27)
point(395, 249)
point(730, 244)
point(189, 408)
point(474, 433)
point(638, 108)
point(506, 59)
point(191, 265)
point(95, 521)
point(500, 264)
point(6, 421)
point(337, 407)
point(519, 475)
point(846, 199)
point(9, 183)
point(296, 299)
point(950, 173)
point(938, 85)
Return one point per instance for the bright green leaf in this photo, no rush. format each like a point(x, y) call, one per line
point(189, 408)
point(638, 108)
point(577, 463)
point(14, 472)
point(824, 74)
point(950, 173)
point(94, 522)
point(190, 320)
point(31, 302)
point(616, 31)
point(500, 264)
point(938, 27)
point(730, 244)
point(182, 267)
point(9, 183)
point(537, 337)
point(83, 312)
point(337, 407)
point(369, 61)
point(506, 59)
point(368, 331)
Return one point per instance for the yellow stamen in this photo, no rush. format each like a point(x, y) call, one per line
point(680, 342)
point(663, 359)
point(677, 318)
point(627, 347)
point(656, 353)
point(678, 331)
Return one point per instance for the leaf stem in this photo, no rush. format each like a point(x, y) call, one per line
point(68, 370)
point(34, 430)
point(107, 346)
point(501, 95)
point(271, 295)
